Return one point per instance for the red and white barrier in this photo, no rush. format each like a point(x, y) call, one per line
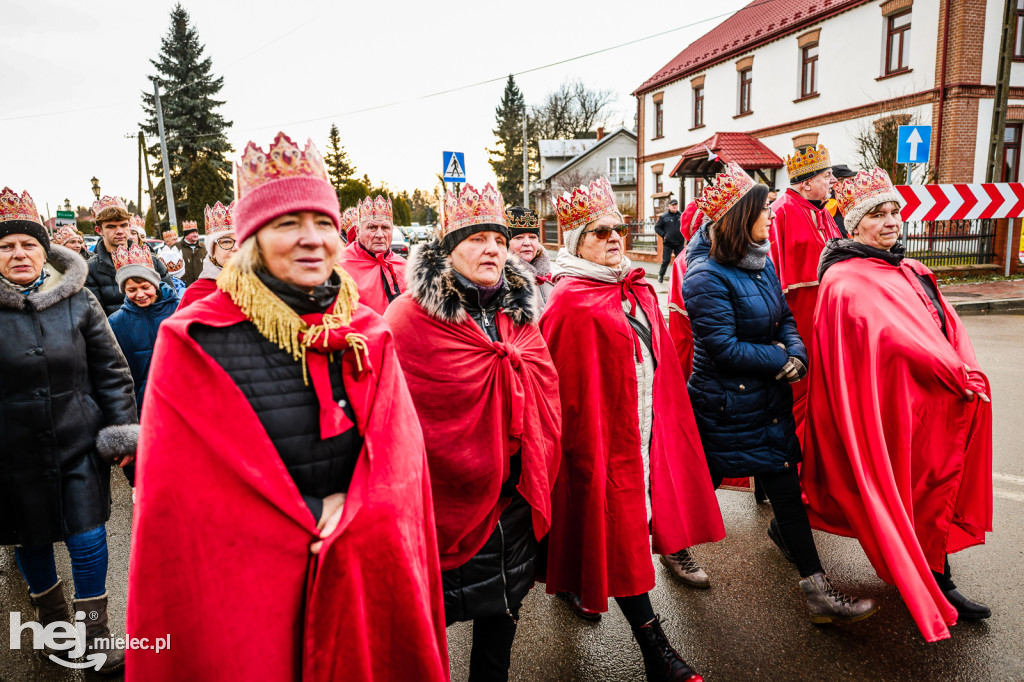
point(962, 202)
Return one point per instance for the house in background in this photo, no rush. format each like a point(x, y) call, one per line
point(785, 75)
point(612, 155)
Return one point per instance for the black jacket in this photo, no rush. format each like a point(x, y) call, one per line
point(667, 228)
point(62, 379)
point(193, 258)
point(101, 280)
point(287, 408)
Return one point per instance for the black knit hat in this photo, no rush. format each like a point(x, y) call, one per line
point(29, 227)
point(522, 221)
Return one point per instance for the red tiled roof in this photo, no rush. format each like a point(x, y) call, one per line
point(750, 153)
point(758, 22)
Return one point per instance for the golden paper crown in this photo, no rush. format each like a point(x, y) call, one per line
point(218, 217)
point(519, 218)
point(728, 188)
point(168, 233)
point(378, 208)
point(472, 207)
point(13, 207)
point(873, 185)
point(132, 255)
point(585, 205)
point(63, 234)
point(813, 160)
point(349, 219)
point(173, 266)
point(136, 221)
point(284, 159)
point(187, 225)
point(100, 205)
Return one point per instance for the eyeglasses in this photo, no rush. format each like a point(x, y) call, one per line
point(226, 243)
point(605, 232)
point(769, 210)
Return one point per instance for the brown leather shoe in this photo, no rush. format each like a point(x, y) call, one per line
point(573, 600)
point(684, 567)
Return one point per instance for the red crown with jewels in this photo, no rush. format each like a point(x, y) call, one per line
point(14, 207)
point(472, 207)
point(63, 234)
point(728, 188)
point(349, 219)
point(132, 255)
point(864, 186)
point(283, 159)
point(378, 208)
point(218, 217)
point(813, 160)
point(102, 204)
point(585, 205)
point(136, 222)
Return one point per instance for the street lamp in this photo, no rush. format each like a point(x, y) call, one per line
point(95, 187)
point(67, 204)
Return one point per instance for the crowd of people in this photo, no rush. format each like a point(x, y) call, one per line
point(343, 452)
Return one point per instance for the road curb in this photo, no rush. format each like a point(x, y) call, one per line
point(999, 305)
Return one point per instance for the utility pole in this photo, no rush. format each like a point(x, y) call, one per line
point(526, 167)
point(149, 180)
point(171, 217)
point(993, 169)
point(141, 153)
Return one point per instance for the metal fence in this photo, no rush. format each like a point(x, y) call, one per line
point(642, 237)
point(951, 242)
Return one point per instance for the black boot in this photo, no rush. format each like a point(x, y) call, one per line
point(51, 607)
point(661, 661)
point(97, 634)
point(776, 536)
point(966, 607)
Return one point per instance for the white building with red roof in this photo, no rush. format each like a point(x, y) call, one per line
point(786, 74)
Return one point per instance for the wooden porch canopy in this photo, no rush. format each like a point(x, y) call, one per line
point(709, 157)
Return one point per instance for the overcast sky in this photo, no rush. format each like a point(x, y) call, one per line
point(73, 72)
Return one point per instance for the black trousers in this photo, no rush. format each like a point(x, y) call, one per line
point(667, 251)
point(491, 655)
point(784, 495)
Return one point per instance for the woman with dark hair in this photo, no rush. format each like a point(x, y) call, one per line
point(746, 353)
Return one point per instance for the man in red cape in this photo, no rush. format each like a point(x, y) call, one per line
point(595, 550)
point(379, 273)
point(895, 455)
point(801, 227)
point(221, 557)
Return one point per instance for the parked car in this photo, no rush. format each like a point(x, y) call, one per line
point(398, 244)
point(90, 241)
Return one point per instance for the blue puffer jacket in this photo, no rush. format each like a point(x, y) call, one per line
point(135, 329)
point(745, 415)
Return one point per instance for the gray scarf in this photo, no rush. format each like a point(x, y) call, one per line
point(757, 253)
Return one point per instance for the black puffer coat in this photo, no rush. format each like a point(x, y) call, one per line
point(101, 280)
point(62, 379)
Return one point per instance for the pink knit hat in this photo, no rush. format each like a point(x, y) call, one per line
point(282, 180)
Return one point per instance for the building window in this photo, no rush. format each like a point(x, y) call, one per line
point(659, 120)
point(658, 187)
point(1018, 43)
point(626, 201)
point(1011, 152)
point(809, 70)
point(698, 187)
point(621, 170)
point(698, 105)
point(897, 43)
point(746, 78)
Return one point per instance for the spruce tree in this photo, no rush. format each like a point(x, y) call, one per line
point(192, 126)
point(507, 159)
point(339, 168)
point(205, 187)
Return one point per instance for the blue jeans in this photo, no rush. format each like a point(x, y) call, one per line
point(88, 552)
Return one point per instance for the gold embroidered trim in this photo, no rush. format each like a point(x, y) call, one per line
point(676, 309)
point(800, 285)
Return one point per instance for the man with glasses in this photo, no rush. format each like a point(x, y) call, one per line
point(672, 241)
point(801, 227)
point(193, 252)
point(219, 248)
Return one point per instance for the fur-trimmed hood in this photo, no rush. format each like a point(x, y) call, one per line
point(431, 283)
point(71, 271)
point(541, 265)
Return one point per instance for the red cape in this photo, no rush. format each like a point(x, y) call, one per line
point(894, 455)
point(366, 271)
point(198, 289)
point(798, 234)
point(599, 546)
point(479, 402)
point(678, 321)
point(220, 546)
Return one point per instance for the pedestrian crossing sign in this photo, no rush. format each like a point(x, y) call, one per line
point(454, 166)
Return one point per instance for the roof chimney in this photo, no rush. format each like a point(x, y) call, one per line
point(600, 132)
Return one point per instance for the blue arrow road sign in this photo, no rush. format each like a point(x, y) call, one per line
point(454, 166)
point(913, 144)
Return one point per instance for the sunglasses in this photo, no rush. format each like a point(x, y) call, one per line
point(226, 243)
point(605, 232)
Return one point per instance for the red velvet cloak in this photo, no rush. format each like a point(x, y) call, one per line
point(479, 402)
point(798, 234)
point(599, 545)
point(678, 320)
point(366, 269)
point(220, 546)
point(894, 454)
point(200, 288)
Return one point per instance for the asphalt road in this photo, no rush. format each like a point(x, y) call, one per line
point(752, 624)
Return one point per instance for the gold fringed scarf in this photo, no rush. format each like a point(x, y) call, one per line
point(281, 325)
